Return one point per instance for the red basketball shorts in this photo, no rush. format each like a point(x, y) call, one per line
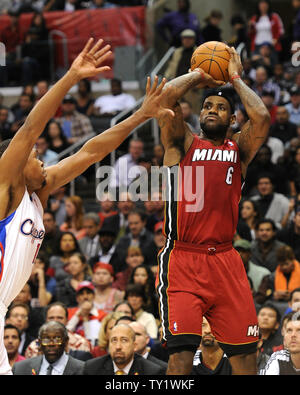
point(193, 281)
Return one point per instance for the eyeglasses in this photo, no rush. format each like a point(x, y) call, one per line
point(56, 341)
point(22, 316)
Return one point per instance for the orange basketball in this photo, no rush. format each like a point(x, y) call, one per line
point(213, 58)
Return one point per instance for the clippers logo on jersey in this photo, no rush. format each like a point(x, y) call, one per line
point(28, 229)
point(215, 155)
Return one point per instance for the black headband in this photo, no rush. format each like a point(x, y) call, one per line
point(220, 93)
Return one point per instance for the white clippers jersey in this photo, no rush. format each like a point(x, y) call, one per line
point(21, 235)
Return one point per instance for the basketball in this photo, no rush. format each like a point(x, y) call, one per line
point(212, 58)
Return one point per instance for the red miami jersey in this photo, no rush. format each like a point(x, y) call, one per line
point(203, 193)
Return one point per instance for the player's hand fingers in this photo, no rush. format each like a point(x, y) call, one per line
point(148, 85)
point(154, 85)
point(161, 86)
point(87, 45)
point(96, 47)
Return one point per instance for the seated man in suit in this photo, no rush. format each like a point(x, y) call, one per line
point(122, 360)
point(142, 340)
point(53, 339)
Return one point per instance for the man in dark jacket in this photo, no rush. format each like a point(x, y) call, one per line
point(122, 359)
point(53, 339)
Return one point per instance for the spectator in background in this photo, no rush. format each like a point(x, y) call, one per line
point(57, 141)
point(79, 271)
point(38, 21)
point(107, 252)
point(180, 62)
point(107, 324)
point(106, 297)
point(35, 56)
point(121, 358)
point(264, 248)
point(22, 108)
point(46, 155)
point(42, 88)
point(54, 360)
point(294, 106)
point(189, 116)
point(269, 318)
point(107, 207)
point(241, 119)
point(5, 125)
point(286, 361)
point(57, 311)
point(249, 217)
point(135, 294)
point(12, 38)
point(85, 101)
point(270, 204)
point(159, 240)
point(90, 244)
point(52, 234)
point(143, 274)
point(287, 274)
point(67, 246)
point(134, 258)
point(18, 315)
point(125, 163)
point(115, 102)
point(209, 359)
point(254, 272)
point(240, 32)
point(212, 32)
point(262, 164)
point(266, 26)
point(142, 348)
point(264, 83)
point(265, 57)
point(74, 219)
point(173, 23)
point(85, 319)
point(268, 98)
point(58, 204)
point(74, 125)
point(157, 214)
point(158, 155)
point(43, 287)
point(138, 236)
point(12, 340)
point(290, 235)
point(283, 129)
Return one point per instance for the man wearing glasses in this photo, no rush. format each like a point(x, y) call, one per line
point(53, 339)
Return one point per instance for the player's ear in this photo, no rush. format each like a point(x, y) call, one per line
point(232, 119)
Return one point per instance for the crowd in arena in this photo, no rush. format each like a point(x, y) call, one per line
point(97, 267)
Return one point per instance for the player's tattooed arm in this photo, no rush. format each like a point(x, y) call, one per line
point(255, 131)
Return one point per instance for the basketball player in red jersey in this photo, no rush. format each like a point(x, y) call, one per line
point(200, 273)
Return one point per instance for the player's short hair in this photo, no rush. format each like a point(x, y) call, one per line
point(3, 146)
point(220, 93)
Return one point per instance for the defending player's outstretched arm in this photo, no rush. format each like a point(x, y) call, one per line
point(255, 131)
point(87, 64)
point(100, 146)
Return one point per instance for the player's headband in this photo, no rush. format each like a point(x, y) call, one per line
point(220, 93)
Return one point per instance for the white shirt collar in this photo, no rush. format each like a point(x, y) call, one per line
point(58, 366)
point(126, 369)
